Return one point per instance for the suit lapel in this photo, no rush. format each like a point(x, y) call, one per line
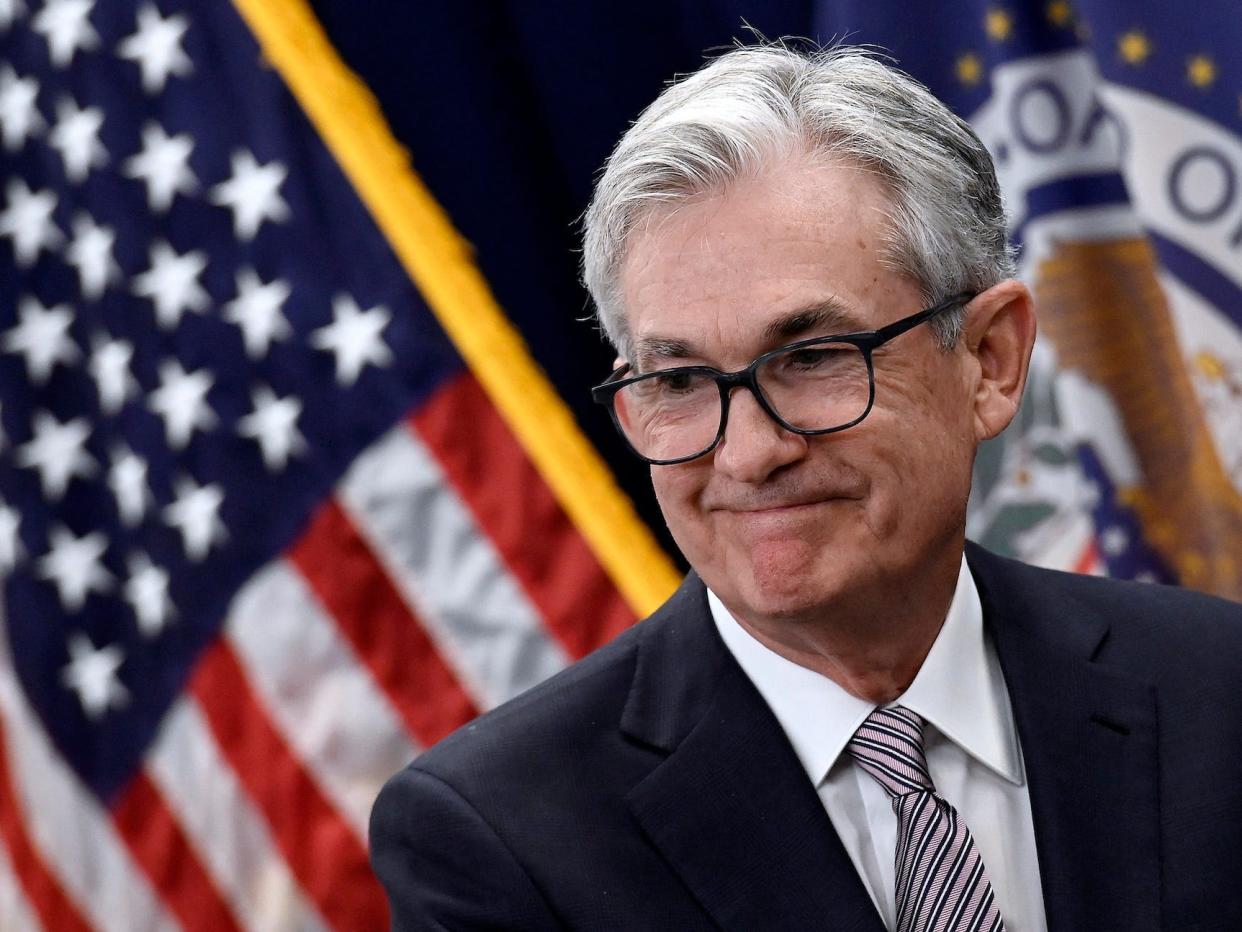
point(1089, 744)
point(731, 809)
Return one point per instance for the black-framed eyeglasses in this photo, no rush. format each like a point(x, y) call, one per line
point(811, 387)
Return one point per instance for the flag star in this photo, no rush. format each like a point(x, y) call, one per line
point(10, 10)
point(58, 452)
point(90, 252)
point(109, 367)
point(127, 478)
point(156, 46)
point(181, 400)
point(172, 284)
point(354, 337)
point(274, 425)
point(195, 513)
point(19, 113)
point(252, 193)
point(257, 310)
point(163, 165)
point(28, 222)
point(1114, 540)
point(11, 549)
point(42, 337)
point(146, 591)
point(92, 675)
point(72, 566)
point(76, 137)
point(67, 27)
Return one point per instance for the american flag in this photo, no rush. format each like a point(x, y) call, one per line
point(264, 531)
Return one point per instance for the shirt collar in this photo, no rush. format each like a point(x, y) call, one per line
point(960, 690)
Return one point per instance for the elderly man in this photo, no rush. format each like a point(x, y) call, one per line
point(847, 717)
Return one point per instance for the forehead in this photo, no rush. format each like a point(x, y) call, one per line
point(722, 274)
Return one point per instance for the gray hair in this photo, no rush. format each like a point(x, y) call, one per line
point(757, 104)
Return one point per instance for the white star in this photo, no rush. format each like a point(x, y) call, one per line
point(181, 400)
point(1114, 540)
point(28, 222)
point(257, 310)
point(146, 591)
point(92, 673)
point(172, 284)
point(10, 10)
point(253, 194)
point(163, 165)
point(42, 337)
point(90, 252)
point(274, 425)
point(72, 566)
point(109, 367)
point(76, 137)
point(11, 549)
point(195, 513)
point(67, 28)
point(127, 478)
point(354, 337)
point(58, 452)
point(156, 46)
point(19, 113)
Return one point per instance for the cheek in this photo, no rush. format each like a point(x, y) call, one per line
point(677, 489)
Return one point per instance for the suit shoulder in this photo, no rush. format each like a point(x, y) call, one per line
point(569, 710)
point(1165, 625)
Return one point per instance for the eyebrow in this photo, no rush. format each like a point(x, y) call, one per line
point(828, 316)
point(649, 349)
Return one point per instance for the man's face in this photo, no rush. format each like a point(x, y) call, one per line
point(781, 525)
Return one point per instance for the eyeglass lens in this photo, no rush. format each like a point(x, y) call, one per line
point(676, 414)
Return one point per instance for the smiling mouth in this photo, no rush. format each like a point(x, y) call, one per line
point(788, 507)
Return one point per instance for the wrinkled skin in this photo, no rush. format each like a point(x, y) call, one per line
point(841, 551)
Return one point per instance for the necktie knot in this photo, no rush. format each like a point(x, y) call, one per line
point(889, 746)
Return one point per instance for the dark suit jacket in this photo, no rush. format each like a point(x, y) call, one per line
point(650, 787)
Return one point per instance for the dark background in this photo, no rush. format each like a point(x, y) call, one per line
point(508, 111)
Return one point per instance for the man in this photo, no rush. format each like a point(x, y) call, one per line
point(847, 717)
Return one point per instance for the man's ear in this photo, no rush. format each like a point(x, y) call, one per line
point(999, 334)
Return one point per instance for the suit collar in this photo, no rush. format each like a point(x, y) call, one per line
point(730, 808)
point(732, 811)
point(1089, 743)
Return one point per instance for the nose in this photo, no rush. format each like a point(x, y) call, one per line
point(754, 445)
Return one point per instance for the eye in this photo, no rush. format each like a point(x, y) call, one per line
point(813, 357)
point(676, 383)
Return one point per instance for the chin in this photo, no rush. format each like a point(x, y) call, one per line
point(787, 581)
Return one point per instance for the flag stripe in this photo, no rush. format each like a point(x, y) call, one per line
point(68, 827)
point(511, 502)
point(42, 890)
point(324, 853)
point(158, 843)
point(206, 796)
point(305, 676)
point(448, 571)
point(441, 263)
point(15, 910)
point(343, 572)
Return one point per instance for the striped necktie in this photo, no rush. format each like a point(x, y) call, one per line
point(941, 885)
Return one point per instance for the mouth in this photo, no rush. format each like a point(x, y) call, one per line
point(784, 508)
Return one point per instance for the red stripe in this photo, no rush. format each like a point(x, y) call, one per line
point(1087, 559)
point(491, 473)
point(44, 893)
point(322, 851)
point(158, 844)
point(343, 571)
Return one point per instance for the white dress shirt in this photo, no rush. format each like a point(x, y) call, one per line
point(971, 745)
